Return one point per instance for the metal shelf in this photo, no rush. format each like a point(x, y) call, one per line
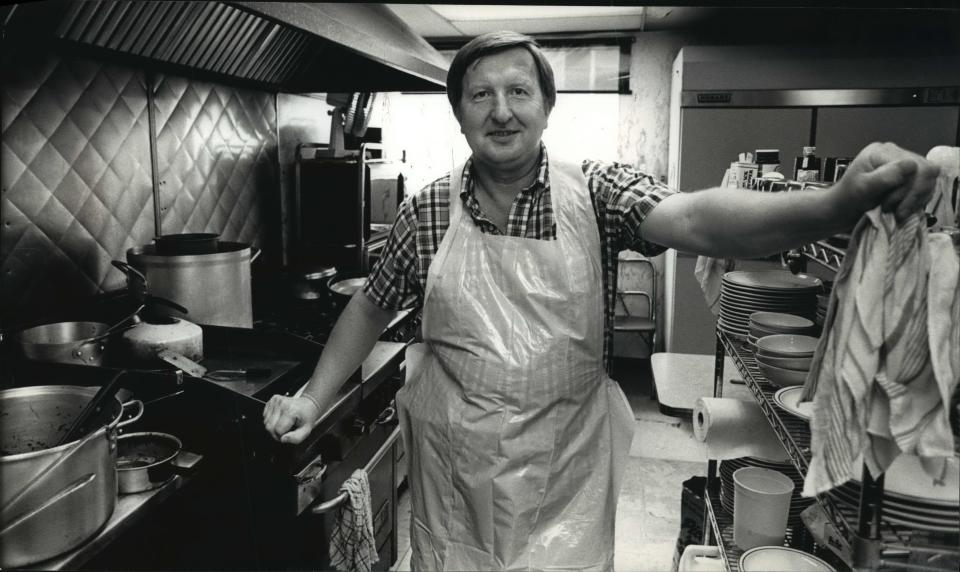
point(722, 523)
point(824, 254)
point(794, 434)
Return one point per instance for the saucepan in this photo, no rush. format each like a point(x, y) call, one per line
point(148, 460)
point(66, 342)
point(310, 283)
point(342, 289)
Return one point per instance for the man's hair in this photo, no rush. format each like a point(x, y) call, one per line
point(492, 43)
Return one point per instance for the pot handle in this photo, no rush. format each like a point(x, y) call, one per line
point(136, 417)
point(185, 460)
point(255, 253)
point(129, 270)
point(64, 493)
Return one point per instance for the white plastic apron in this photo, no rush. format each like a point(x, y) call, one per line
point(516, 438)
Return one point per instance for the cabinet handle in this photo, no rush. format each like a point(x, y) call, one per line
point(325, 507)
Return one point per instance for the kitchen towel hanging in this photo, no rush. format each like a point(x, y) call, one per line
point(734, 428)
point(352, 546)
point(884, 371)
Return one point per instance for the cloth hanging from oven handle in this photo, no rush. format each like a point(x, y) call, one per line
point(325, 507)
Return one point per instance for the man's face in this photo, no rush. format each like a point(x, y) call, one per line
point(502, 112)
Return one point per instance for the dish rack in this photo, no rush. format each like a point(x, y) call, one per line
point(863, 540)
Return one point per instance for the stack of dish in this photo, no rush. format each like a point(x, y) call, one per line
point(729, 466)
point(785, 358)
point(788, 399)
point(772, 323)
point(912, 498)
point(823, 302)
point(744, 292)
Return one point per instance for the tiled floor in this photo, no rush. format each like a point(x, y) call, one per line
point(663, 455)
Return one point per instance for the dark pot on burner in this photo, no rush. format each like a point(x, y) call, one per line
point(310, 284)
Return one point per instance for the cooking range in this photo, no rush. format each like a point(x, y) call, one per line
point(254, 503)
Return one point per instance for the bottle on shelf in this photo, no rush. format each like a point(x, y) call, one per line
point(806, 168)
point(768, 160)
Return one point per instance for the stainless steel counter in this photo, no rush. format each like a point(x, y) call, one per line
point(130, 509)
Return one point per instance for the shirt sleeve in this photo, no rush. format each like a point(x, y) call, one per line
point(393, 283)
point(623, 197)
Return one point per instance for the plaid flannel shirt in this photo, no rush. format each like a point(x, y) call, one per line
point(622, 198)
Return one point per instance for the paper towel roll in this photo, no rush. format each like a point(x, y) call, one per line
point(734, 428)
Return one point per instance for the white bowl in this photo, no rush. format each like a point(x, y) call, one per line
point(781, 559)
point(794, 363)
point(782, 377)
point(788, 345)
point(778, 322)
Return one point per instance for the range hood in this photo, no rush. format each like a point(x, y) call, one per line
point(295, 47)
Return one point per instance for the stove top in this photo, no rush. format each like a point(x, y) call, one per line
point(308, 320)
point(313, 320)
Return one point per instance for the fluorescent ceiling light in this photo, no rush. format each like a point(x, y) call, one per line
point(473, 12)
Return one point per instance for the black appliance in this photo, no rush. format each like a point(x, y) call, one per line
point(333, 223)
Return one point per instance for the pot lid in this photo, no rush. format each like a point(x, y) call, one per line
point(316, 272)
point(348, 286)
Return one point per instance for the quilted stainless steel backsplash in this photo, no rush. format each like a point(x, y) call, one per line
point(76, 175)
point(217, 158)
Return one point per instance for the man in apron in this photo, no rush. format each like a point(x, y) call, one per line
point(516, 436)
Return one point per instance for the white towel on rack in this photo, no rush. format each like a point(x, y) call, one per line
point(709, 272)
point(352, 546)
point(875, 386)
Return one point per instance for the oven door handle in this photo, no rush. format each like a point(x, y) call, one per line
point(325, 507)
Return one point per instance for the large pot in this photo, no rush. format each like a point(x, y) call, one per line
point(80, 343)
point(33, 420)
point(188, 243)
point(215, 288)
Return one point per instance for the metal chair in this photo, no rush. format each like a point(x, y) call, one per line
point(643, 325)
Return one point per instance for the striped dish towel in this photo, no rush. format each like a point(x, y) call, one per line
point(352, 546)
point(878, 385)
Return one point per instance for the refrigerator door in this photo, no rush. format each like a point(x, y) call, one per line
point(843, 131)
point(710, 139)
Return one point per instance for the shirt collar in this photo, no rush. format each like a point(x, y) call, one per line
point(542, 182)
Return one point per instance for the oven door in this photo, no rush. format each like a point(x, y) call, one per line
point(316, 522)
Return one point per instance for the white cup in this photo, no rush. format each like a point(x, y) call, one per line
point(761, 505)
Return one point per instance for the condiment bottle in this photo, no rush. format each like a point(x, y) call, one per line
point(806, 169)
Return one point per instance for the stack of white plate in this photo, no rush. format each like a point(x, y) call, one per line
point(788, 399)
point(913, 499)
point(785, 359)
point(729, 466)
point(744, 292)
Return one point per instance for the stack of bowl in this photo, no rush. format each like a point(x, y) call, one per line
point(764, 324)
point(785, 359)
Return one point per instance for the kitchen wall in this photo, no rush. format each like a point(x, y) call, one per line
point(77, 179)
